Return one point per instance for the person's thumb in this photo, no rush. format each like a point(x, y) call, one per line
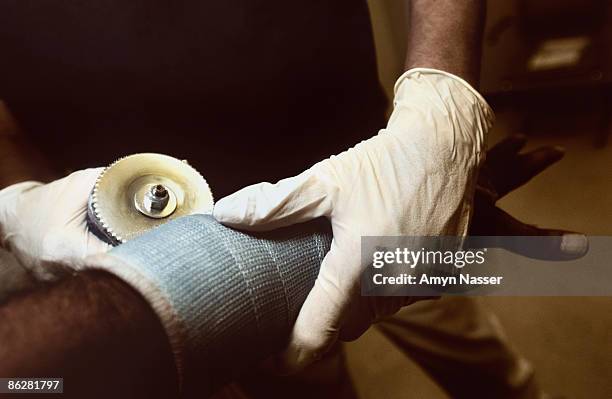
point(267, 206)
point(319, 321)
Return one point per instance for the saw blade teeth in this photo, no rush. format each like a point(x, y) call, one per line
point(120, 223)
point(96, 208)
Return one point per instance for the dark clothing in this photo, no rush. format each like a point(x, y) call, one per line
point(246, 90)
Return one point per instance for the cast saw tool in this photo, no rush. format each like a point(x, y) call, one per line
point(142, 191)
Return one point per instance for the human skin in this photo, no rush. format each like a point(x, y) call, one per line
point(446, 35)
point(92, 330)
point(101, 336)
point(97, 333)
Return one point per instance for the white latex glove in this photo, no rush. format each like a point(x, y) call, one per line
point(416, 177)
point(42, 224)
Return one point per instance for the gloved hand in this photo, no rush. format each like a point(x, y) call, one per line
point(42, 224)
point(416, 177)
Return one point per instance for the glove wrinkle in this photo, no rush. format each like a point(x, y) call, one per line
point(415, 177)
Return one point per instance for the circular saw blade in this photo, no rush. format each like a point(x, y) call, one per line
point(116, 202)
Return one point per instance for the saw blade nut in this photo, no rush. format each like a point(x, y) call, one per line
point(142, 191)
point(155, 200)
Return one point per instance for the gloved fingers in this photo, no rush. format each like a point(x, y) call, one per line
point(14, 190)
point(48, 223)
point(562, 245)
point(85, 179)
point(73, 249)
point(69, 194)
point(9, 207)
point(75, 185)
point(96, 245)
point(73, 243)
point(318, 323)
point(267, 206)
point(67, 191)
point(76, 190)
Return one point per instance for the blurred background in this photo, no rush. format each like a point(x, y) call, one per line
point(547, 72)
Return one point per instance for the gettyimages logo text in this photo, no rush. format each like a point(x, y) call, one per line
point(414, 258)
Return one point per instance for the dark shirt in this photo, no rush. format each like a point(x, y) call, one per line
point(246, 90)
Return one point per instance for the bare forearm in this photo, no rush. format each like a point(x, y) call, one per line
point(446, 35)
point(19, 159)
point(95, 332)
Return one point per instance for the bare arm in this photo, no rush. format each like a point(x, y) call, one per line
point(102, 337)
point(93, 330)
point(446, 35)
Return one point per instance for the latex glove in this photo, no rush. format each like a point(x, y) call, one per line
point(42, 224)
point(416, 177)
